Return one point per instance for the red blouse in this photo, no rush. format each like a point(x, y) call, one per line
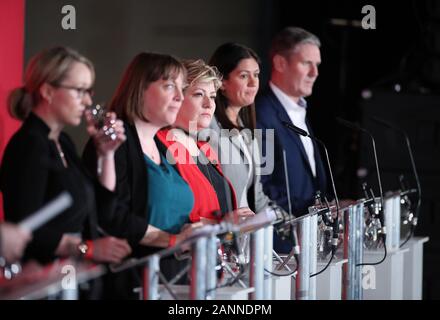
point(205, 197)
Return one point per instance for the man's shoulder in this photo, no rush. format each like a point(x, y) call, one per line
point(266, 101)
point(264, 97)
point(266, 108)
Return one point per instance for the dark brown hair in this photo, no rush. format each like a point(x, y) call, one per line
point(226, 58)
point(144, 69)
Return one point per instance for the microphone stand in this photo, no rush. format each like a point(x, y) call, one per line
point(295, 249)
point(285, 227)
point(304, 133)
point(414, 168)
point(356, 127)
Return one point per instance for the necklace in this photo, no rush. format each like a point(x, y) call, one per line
point(61, 154)
point(151, 152)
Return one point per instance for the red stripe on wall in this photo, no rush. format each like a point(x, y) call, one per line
point(11, 65)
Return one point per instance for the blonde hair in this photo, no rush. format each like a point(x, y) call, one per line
point(49, 66)
point(199, 71)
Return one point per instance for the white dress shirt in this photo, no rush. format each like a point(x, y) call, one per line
point(297, 114)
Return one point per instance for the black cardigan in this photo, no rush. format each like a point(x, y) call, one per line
point(130, 220)
point(131, 217)
point(32, 173)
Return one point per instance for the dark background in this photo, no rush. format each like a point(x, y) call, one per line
point(396, 68)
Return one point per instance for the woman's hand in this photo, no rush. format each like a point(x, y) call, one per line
point(13, 241)
point(107, 140)
point(109, 137)
point(239, 214)
point(110, 249)
point(205, 221)
point(185, 232)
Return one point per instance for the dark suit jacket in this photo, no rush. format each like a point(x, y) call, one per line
point(32, 173)
point(302, 184)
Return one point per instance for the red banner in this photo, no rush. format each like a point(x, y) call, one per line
point(11, 65)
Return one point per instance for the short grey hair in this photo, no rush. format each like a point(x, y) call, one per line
point(289, 39)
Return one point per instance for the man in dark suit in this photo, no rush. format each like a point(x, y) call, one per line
point(295, 57)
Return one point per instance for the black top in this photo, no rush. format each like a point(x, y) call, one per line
point(131, 217)
point(218, 181)
point(32, 173)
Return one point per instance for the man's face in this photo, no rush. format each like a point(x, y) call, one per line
point(301, 70)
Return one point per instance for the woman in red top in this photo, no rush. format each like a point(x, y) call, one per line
point(196, 161)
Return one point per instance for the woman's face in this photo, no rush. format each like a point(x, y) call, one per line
point(241, 85)
point(70, 98)
point(198, 107)
point(162, 101)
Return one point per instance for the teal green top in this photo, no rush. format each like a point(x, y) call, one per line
point(170, 199)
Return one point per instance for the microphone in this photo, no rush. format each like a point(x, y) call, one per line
point(232, 235)
point(285, 228)
point(413, 164)
point(296, 250)
point(336, 220)
point(356, 127)
point(233, 238)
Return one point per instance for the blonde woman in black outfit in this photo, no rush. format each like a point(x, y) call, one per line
point(40, 161)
